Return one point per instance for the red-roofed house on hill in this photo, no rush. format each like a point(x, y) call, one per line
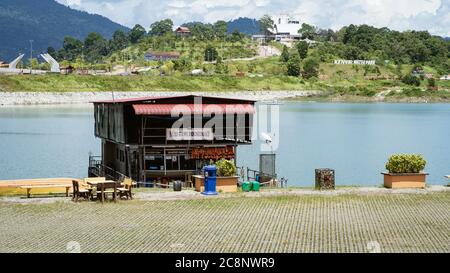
point(161, 138)
point(183, 32)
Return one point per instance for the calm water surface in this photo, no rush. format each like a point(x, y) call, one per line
point(354, 139)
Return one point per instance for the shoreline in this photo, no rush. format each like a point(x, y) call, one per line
point(74, 98)
point(379, 99)
point(85, 97)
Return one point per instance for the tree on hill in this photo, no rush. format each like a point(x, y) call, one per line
point(266, 23)
point(119, 40)
point(326, 35)
point(293, 65)
point(52, 52)
point(92, 40)
point(284, 57)
point(95, 47)
point(302, 48)
point(308, 31)
point(236, 36)
point(182, 65)
point(220, 29)
point(210, 53)
point(219, 66)
point(349, 32)
point(310, 68)
point(411, 80)
point(161, 28)
point(71, 49)
point(136, 33)
point(353, 53)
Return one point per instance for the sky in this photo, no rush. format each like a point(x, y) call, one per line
point(431, 15)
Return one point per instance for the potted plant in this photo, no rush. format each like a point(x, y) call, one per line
point(225, 168)
point(405, 171)
point(226, 179)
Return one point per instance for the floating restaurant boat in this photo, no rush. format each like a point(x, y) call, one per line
point(156, 139)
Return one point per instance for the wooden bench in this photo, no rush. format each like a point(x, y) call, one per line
point(29, 188)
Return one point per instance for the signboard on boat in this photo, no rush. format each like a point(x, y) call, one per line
point(178, 134)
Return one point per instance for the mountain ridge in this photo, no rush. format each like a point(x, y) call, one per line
point(24, 21)
point(246, 25)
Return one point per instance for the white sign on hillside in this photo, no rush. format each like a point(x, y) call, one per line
point(360, 62)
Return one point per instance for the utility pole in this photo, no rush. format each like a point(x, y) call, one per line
point(31, 57)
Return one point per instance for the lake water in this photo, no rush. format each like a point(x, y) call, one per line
point(354, 139)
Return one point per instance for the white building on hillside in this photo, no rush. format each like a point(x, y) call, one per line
point(286, 27)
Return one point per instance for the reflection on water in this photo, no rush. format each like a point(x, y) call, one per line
point(354, 139)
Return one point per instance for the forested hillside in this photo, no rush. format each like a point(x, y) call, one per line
point(46, 22)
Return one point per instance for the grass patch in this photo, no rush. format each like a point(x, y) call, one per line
point(77, 83)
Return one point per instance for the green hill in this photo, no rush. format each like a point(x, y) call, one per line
point(46, 22)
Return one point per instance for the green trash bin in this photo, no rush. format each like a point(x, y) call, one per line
point(246, 186)
point(255, 186)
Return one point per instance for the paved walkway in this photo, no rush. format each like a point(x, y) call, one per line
point(297, 221)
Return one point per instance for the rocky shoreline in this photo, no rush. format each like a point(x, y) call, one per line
point(83, 98)
point(47, 98)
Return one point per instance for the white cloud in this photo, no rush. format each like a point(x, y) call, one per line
point(432, 15)
point(71, 2)
point(177, 4)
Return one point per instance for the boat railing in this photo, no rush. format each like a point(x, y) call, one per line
point(98, 169)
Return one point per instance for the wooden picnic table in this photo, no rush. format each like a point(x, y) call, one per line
point(96, 184)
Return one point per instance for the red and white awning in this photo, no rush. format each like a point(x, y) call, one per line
point(192, 109)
